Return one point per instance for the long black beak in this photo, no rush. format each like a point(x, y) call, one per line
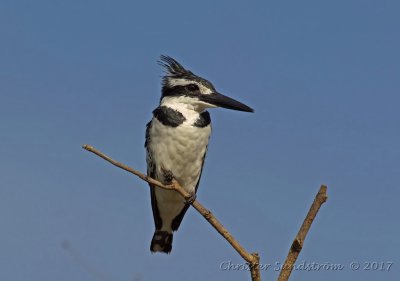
point(220, 100)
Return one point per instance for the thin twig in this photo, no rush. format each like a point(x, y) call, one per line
point(297, 244)
point(252, 258)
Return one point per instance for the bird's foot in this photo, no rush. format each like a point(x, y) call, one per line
point(168, 175)
point(191, 198)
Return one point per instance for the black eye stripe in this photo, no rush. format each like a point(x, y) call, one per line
point(179, 90)
point(192, 87)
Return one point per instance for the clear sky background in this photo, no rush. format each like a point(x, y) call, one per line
point(322, 76)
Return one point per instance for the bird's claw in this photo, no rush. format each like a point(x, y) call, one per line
point(191, 198)
point(168, 175)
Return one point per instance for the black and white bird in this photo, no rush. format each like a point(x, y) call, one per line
point(176, 144)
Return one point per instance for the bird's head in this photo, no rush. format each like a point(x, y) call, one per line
point(181, 86)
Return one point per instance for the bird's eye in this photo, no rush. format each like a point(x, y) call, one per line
point(192, 87)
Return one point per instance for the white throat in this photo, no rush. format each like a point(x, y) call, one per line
point(185, 105)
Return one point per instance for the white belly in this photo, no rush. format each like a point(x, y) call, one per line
point(180, 150)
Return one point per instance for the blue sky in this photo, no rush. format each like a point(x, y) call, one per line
point(322, 76)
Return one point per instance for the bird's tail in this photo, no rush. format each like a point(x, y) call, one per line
point(161, 242)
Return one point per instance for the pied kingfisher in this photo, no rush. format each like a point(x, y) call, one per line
point(176, 144)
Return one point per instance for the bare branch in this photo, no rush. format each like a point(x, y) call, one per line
point(252, 258)
point(297, 244)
